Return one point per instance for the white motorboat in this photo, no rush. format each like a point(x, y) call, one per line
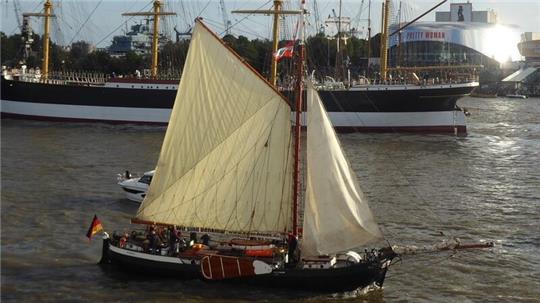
point(135, 187)
point(516, 96)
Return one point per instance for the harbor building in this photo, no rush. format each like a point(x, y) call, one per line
point(460, 36)
point(529, 47)
point(526, 80)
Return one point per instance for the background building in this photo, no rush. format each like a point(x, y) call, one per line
point(462, 12)
point(526, 80)
point(529, 47)
point(460, 36)
point(138, 40)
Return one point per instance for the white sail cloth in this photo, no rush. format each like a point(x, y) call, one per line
point(226, 158)
point(336, 215)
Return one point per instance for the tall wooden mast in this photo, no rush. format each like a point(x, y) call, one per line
point(275, 41)
point(369, 36)
point(155, 35)
point(339, 53)
point(384, 40)
point(298, 125)
point(276, 12)
point(47, 9)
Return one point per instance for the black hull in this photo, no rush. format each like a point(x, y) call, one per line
point(330, 280)
point(86, 95)
point(344, 279)
point(376, 108)
point(148, 267)
point(361, 100)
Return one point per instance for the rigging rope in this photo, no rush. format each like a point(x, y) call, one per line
point(39, 4)
point(123, 23)
point(246, 17)
point(85, 21)
point(204, 8)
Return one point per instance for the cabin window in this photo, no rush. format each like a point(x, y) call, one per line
point(146, 179)
point(142, 86)
point(117, 85)
point(129, 190)
point(133, 86)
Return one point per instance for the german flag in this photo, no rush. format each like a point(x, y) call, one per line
point(95, 227)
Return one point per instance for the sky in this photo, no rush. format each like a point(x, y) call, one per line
point(98, 21)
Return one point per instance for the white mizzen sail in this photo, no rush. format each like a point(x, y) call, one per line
point(226, 160)
point(336, 215)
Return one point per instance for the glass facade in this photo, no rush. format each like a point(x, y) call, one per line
point(435, 53)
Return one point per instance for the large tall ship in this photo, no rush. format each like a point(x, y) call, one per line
point(426, 105)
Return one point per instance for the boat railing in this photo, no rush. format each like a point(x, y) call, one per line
point(77, 78)
point(398, 81)
point(329, 84)
point(420, 82)
point(401, 76)
point(59, 77)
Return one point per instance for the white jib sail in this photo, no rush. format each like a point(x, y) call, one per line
point(336, 215)
point(226, 158)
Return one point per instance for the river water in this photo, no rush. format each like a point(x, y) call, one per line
point(422, 189)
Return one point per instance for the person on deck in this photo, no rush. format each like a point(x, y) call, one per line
point(153, 239)
point(292, 243)
point(192, 238)
point(205, 239)
point(173, 241)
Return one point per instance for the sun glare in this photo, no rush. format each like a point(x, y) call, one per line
point(501, 44)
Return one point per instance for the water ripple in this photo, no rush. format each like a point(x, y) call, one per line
point(422, 189)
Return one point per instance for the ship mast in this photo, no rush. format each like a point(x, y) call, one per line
point(369, 37)
point(340, 22)
point(47, 9)
point(339, 54)
point(155, 35)
point(384, 40)
point(275, 41)
point(298, 126)
point(276, 12)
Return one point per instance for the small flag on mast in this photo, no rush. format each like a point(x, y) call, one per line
point(285, 52)
point(95, 227)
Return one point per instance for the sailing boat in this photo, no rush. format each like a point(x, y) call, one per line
point(228, 171)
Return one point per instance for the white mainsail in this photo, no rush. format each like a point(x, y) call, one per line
point(226, 160)
point(336, 215)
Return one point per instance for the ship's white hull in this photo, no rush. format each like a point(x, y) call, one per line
point(84, 112)
point(354, 121)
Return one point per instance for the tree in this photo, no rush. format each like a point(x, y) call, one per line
point(80, 49)
point(172, 57)
point(12, 50)
point(321, 54)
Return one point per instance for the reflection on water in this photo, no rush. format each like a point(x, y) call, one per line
point(485, 186)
